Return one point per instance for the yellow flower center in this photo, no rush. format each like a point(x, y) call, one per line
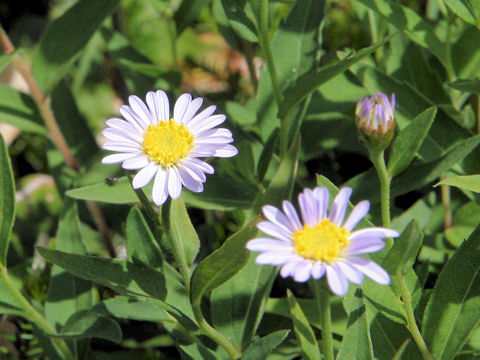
point(167, 142)
point(324, 241)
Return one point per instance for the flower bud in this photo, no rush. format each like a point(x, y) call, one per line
point(375, 120)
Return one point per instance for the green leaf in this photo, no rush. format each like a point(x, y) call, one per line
point(303, 330)
point(141, 243)
point(467, 182)
point(267, 155)
point(88, 324)
point(411, 23)
point(409, 141)
point(66, 293)
point(7, 201)
point(453, 311)
point(64, 39)
point(222, 264)
point(178, 226)
point(468, 10)
point(356, 343)
point(470, 86)
point(5, 60)
point(20, 110)
point(241, 19)
point(264, 346)
point(125, 277)
point(188, 12)
point(124, 307)
point(240, 114)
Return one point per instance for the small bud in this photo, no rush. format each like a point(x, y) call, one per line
point(375, 120)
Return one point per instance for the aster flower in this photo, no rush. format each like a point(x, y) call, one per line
point(324, 243)
point(166, 148)
point(375, 120)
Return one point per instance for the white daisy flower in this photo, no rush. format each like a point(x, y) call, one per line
point(324, 243)
point(166, 148)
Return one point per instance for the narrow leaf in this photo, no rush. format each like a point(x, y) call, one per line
point(471, 86)
point(267, 155)
point(467, 182)
point(303, 330)
point(124, 307)
point(468, 10)
point(7, 201)
point(240, 17)
point(409, 141)
point(453, 310)
point(264, 346)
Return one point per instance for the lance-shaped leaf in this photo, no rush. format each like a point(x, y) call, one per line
point(468, 10)
point(467, 182)
point(453, 311)
point(264, 346)
point(471, 86)
point(7, 201)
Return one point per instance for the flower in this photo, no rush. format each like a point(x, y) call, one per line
point(322, 245)
point(167, 148)
point(375, 120)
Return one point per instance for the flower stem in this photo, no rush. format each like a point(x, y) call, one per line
point(213, 334)
point(322, 297)
point(411, 323)
point(33, 315)
point(378, 160)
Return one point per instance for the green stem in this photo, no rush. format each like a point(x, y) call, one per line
point(411, 323)
point(145, 202)
point(213, 334)
point(172, 34)
point(378, 160)
point(267, 50)
point(322, 297)
point(32, 314)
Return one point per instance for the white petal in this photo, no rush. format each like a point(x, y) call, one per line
point(318, 270)
point(144, 176)
point(290, 267)
point(188, 180)
point(340, 206)
point(164, 105)
point(180, 107)
point(159, 191)
point(303, 272)
point(357, 214)
point(274, 230)
point(193, 171)
point(133, 119)
point(135, 163)
point(199, 164)
point(121, 124)
point(213, 140)
point(174, 183)
point(371, 269)
point(226, 151)
point(122, 147)
point(322, 195)
point(122, 135)
point(307, 209)
point(351, 272)
point(291, 214)
point(221, 132)
point(117, 158)
point(273, 258)
point(209, 123)
point(337, 281)
point(266, 244)
point(140, 109)
point(364, 246)
point(373, 232)
point(191, 110)
point(153, 106)
point(277, 217)
point(202, 116)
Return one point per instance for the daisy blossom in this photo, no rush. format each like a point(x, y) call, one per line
point(323, 244)
point(166, 148)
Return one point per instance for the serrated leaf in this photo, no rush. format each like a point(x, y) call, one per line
point(264, 346)
point(7, 201)
point(303, 330)
point(88, 324)
point(64, 39)
point(222, 264)
point(467, 182)
point(356, 343)
point(178, 227)
point(408, 142)
point(453, 310)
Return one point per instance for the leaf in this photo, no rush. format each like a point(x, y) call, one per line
point(5, 60)
point(468, 10)
point(411, 23)
point(188, 12)
point(178, 227)
point(453, 310)
point(264, 346)
point(7, 201)
point(64, 39)
point(303, 330)
point(141, 243)
point(356, 343)
point(470, 86)
point(124, 307)
point(67, 294)
point(222, 264)
point(125, 277)
point(89, 324)
point(409, 141)
point(240, 17)
point(309, 82)
point(240, 114)
point(467, 182)
point(267, 155)
point(20, 110)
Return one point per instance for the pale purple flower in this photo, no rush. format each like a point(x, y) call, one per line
point(322, 243)
point(165, 148)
